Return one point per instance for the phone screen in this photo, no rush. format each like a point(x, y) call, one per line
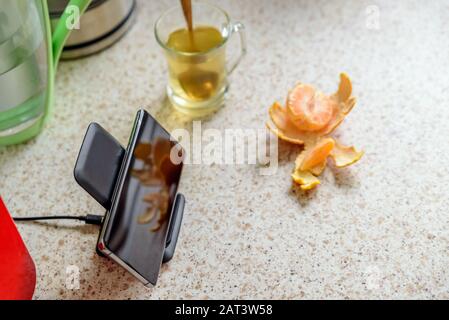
point(137, 228)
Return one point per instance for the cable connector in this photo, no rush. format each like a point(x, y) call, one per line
point(94, 219)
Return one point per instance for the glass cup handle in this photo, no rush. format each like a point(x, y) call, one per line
point(240, 29)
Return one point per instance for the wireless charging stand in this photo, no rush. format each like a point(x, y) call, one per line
point(97, 169)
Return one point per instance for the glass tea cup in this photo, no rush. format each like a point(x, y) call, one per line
point(198, 81)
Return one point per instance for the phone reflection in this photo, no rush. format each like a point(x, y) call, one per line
point(159, 173)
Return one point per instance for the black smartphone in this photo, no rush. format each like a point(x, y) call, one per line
point(134, 232)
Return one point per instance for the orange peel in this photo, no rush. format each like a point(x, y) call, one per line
point(306, 179)
point(308, 119)
point(318, 154)
point(345, 156)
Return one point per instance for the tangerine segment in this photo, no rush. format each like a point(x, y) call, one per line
point(345, 156)
point(318, 154)
point(309, 109)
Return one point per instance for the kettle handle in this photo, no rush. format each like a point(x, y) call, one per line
point(55, 45)
point(62, 30)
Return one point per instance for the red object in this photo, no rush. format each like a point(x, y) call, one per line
point(17, 270)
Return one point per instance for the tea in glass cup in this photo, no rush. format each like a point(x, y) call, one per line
point(197, 67)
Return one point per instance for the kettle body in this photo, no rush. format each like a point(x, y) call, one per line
point(29, 53)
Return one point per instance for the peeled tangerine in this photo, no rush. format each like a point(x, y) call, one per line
point(308, 119)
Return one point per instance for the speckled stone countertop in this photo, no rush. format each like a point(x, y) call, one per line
point(379, 229)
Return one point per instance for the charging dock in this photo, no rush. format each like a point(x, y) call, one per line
point(97, 169)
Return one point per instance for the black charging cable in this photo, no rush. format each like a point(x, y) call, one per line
point(88, 219)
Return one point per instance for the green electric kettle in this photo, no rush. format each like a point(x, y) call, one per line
point(29, 55)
